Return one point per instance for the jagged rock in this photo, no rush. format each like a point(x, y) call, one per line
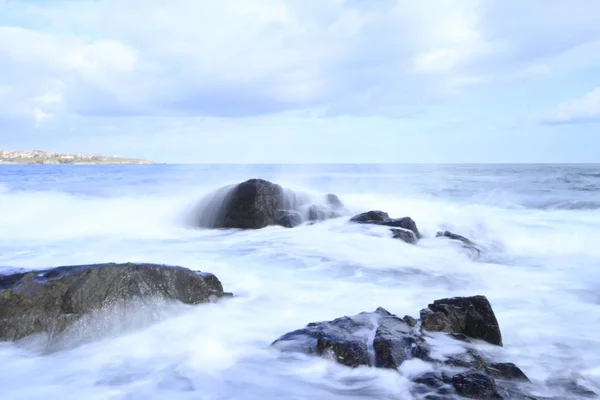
point(404, 223)
point(288, 219)
point(410, 321)
point(377, 217)
point(393, 340)
point(404, 235)
point(346, 339)
point(506, 371)
point(370, 217)
point(50, 300)
point(476, 385)
point(472, 316)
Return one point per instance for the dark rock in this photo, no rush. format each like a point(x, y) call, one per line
point(334, 202)
point(50, 300)
point(466, 242)
point(432, 379)
point(376, 217)
point(476, 385)
point(395, 342)
point(460, 336)
point(453, 236)
point(288, 219)
point(472, 316)
point(410, 321)
point(252, 204)
point(435, 321)
point(346, 339)
point(435, 382)
point(506, 371)
point(404, 223)
point(370, 217)
point(470, 359)
point(404, 234)
point(257, 203)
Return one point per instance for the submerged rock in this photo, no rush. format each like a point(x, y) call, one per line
point(466, 242)
point(289, 219)
point(402, 225)
point(370, 217)
point(51, 300)
point(258, 203)
point(404, 235)
point(476, 385)
point(471, 316)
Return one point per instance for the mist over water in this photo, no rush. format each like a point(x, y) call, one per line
point(539, 226)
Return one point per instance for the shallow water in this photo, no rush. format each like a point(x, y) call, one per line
point(540, 226)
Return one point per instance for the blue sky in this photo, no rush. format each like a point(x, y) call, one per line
point(303, 81)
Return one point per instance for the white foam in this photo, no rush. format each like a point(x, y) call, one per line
point(537, 268)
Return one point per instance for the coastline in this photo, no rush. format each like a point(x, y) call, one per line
point(51, 158)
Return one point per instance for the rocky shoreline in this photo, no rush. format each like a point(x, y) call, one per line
point(43, 157)
point(57, 301)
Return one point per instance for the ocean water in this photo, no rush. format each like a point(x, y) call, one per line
point(539, 226)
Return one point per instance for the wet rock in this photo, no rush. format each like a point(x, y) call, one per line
point(506, 371)
point(383, 340)
point(410, 321)
point(289, 219)
point(395, 341)
point(51, 300)
point(471, 316)
point(377, 217)
point(476, 385)
point(253, 204)
point(258, 203)
point(404, 223)
point(435, 385)
point(370, 217)
point(346, 340)
point(404, 234)
point(435, 321)
point(466, 242)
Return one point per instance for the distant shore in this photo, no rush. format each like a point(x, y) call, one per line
point(44, 157)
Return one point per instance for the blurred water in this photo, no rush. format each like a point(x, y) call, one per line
point(540, 225)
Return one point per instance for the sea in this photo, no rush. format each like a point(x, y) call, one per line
point(539, 226)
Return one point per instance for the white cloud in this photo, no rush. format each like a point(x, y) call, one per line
point(584, 109)
point(233, 58)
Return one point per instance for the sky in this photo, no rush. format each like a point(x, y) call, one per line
point(303, 81)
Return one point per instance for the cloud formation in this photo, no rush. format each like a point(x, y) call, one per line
point(66, 60)
point(237, 58)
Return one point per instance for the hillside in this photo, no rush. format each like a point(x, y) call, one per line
point(43, 157)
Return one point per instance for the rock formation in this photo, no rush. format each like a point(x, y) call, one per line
point(258, 203)
point(383, 340)
point(51, 300)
